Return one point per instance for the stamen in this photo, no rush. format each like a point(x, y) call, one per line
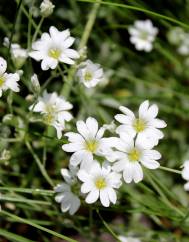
point(54, 53)
point(139, 125)
point(134, 155)
point(88, 76)
point(100, 183)
point(48, 118)
point(91, 145)
point(2, 80)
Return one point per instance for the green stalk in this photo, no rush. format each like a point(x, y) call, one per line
point(14, 24)
point(33, 191)
point(29, 29)
point(107, 226)
point(13, 237)
point(170, 170)
point(37, 226)
point(24, 200)
point(40, 165)
point(162, 195)
point(84, 39)
point(138, 9)
point(38, 29)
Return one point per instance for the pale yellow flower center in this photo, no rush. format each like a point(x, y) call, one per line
point(2, 80)
point(91, 145)
point(88, 76)
point(134, 155)
point(100, 183)
point(50, 108)
point(144, 35)
point(48, 118)
point(139, 125)
point(54, 53)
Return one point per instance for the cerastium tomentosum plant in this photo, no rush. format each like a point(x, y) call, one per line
point(65, 106)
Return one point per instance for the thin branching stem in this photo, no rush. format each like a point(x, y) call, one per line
point(39, 163)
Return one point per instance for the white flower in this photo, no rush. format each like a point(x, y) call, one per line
point(86, 143)
point(185, 174)
point(53, 48)
point(67, 197)
point(18, 54)
point(176, 35)
point(90, 74)
point(184, 45)
point(46, 8)
point(7, 80)
point(100, 182)
point(128, 239)
point(146, 125)
point(54, 110)
point(35, 83)
point(130, 155)
point(143, 34)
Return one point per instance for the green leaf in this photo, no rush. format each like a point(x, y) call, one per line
point(13, 237)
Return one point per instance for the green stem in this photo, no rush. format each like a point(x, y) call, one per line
point(107, 226)
point(29, 28)
point(84, 39)
point(13, 237)
point(41, 167)
point(24, 200)
point(162, 195)
point(33, 191)
point(14, 24)
point(37, 29)
point(27, 15)
point(140, 10)
point(25, 221)
point(170, 170)
point(9, 101)
point(89, 24)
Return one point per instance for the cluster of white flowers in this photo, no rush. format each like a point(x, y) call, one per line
point(143, 34)
point(102, 161)
point(98, 165)
point(54, 110)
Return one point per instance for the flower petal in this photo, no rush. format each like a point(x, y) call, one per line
point(150, 163)
point(92, 196)
point(104, 198)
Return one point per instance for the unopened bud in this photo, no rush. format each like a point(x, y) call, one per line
point(35, 83)
point(46, 8)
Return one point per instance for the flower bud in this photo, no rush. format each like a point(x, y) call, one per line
point(18, 55)
point(176, 36)
point(5, 155)
point(46, 8)
point(35, 83)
